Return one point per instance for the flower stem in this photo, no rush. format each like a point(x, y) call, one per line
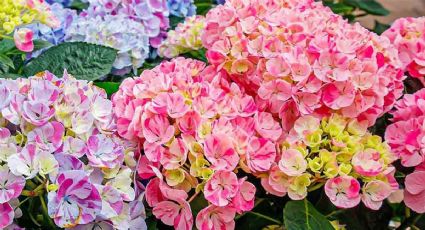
point(266, 217)
point(45, 212)
point(20, 203)
point(193, 197)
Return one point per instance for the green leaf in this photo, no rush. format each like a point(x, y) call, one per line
point(10, 75)
point(203, 6)
point(370, 6)
point(109, 87)
point(6, 45)
point(301, 215)
point(174, 21)
point(79, 5)
point(340, 8)
point(5, 60)
point(82, 60)
point(380, 27)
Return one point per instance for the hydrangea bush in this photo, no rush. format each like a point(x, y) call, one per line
point(275, 107)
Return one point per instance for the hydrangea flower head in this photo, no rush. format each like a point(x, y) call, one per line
point(152, 15)
point(298, 58)
point(184, 38)
point(196, 128)
point(60, 133)
point(340, 154)
point(408, 36)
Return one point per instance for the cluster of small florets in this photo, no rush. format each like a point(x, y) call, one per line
point(57, 138)
point(406, 137)
point(152, 16)
point(181, 8)
point(299, 58)
point(408, 36)
point(340, 154)
point(196, 130)
point(15, 13)
point(184, 38)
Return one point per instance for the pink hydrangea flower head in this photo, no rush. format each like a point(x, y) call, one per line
point(195, 127)
point(324, 65)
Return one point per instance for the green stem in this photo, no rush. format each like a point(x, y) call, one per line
point(335, 212)
point(315, 187)
point(45, 212)
point(266, 217)
point(31, 206)
point(36, 192)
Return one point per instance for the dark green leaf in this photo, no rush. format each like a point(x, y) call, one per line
point(79, 5)
point(301, 215)
point(370, 6)
point(203, 6)
point(340, 8)
point(6, 45)
point(82, 60)
point(109, 87)
point(5, 60)
point(380, 27)
point(10, 75)
point(174, 21)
